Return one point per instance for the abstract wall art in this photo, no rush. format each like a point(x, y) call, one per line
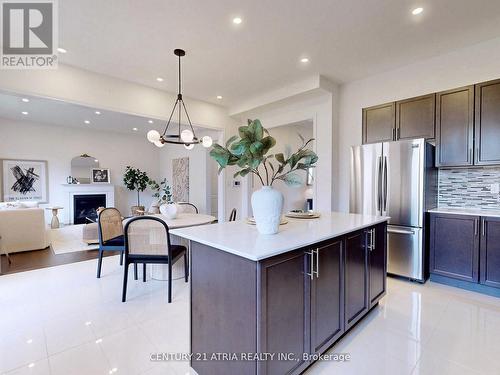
point(180, 178)
point(24, 180)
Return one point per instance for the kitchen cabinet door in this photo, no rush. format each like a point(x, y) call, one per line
point(356, 277)
point(415, 117)
point(379, 123)
point(327, 297)
point(455, 246)
point(487, 124)
point(285, 307)
point(490, 252)
point(377, 262)
point(455, 127)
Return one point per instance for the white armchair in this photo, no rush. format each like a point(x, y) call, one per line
point(22, 229)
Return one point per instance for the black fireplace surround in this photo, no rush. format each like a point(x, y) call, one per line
point(85, 207)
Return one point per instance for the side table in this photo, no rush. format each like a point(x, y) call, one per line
point(54, 224)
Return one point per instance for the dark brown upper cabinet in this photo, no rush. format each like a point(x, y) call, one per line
point(379, 123)
point(455, 127)
point(487, 126)
point(415, 117)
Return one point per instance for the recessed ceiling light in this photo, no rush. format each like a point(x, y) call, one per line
point(417, 11)
point(237, 20)
point(219, 97)
point(31, 365)
point(89, 322)
point(87, 121)
point(98, 341)
point(150, 121)
point(304, 60)
point(24, 113)
point(29, 341)
point(61, 50)
point(97, 112)
point(26, 100)
point(159, 79)
point(135, 129)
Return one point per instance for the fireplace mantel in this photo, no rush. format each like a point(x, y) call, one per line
point(86, 189)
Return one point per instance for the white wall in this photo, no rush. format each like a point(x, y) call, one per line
point(466, 66)
point(58, 145)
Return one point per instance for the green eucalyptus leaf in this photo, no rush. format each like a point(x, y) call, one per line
point(245, 171)
point(280, 158)
point(256, 147)
point(293, 179)
point(231, 140)
point(258, 130)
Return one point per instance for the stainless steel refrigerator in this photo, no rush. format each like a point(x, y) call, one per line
point(399, 180)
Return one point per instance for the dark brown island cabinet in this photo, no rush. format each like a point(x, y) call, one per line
point(465, 251)
point(286, 307)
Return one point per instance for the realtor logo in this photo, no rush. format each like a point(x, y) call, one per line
point(29, 34)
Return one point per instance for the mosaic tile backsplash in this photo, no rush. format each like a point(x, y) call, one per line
point(469, 188)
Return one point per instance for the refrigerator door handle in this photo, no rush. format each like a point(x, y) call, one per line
point(400, 231)
point(379, 185)
point(385, 185)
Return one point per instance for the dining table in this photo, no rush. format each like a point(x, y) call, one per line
point(182, 220)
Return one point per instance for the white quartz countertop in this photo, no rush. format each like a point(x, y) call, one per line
point(242, 239)
point(465, 211)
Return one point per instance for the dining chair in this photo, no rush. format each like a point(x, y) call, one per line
point(147, 240)
point(232, 215)
point(110, 233)
point(186, 207)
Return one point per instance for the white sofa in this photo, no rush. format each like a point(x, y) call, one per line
point(22, 229)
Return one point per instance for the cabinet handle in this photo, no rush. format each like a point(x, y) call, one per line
point(476, 222)
point(471, 158)
point(398, 133)
point(477, 153)
point(484, 227)
point(373, 239)
point(317, 262)
point(311, 264)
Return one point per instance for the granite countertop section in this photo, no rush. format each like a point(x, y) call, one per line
point(242, 239)
point(465, 211)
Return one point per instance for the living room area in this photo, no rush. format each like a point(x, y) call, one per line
point(62, 161)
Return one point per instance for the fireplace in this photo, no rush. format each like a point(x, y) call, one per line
point(85, 207)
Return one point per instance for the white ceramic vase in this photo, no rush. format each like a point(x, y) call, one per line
point(267, 205)
point(169, 210)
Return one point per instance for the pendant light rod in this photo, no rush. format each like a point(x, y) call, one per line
point(186, 137)
point(180, 105)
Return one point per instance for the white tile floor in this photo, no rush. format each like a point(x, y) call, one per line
point(63, 320)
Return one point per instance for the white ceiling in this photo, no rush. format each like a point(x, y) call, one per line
point(344, 39)
point(60, 113)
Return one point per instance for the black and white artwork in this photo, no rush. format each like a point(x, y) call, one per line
point(100, 176)
point(24, 180)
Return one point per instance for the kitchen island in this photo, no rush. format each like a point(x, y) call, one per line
point(265, 304)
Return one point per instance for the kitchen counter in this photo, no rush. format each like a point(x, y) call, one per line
point(465, 211)
point(242, 239)
point(269, 304)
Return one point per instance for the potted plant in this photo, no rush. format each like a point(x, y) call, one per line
point(163, 194)
point(249, 151)
point(135, 179)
